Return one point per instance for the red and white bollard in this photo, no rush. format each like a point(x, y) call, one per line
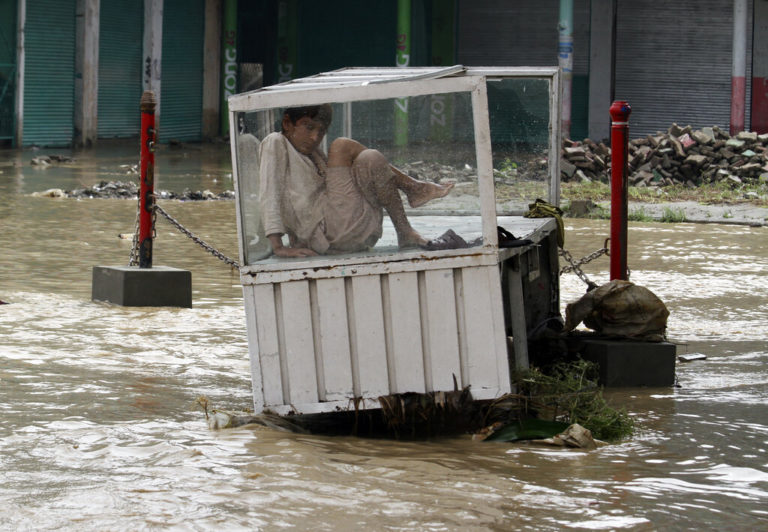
point(620, 111)
point(147, 179)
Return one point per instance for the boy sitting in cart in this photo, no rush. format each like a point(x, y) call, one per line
point(334, 203)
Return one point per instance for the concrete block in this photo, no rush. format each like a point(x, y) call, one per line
point(131, 286)
point(625, 363)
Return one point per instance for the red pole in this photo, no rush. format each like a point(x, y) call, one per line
point(147, 183)
point(619, 149)
point(739, 67)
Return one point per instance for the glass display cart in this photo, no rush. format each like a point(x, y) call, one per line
point(338, 329)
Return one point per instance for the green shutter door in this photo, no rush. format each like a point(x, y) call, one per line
point(49, 73)
point(181, 89)
point(120, 48)
point(7, 69)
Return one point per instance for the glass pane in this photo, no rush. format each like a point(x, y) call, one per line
point(519, 116)
point(399, 185)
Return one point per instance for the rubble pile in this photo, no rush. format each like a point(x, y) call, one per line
point(526, 166)
point(435, 172)
point(681, 156)
point(130, 190)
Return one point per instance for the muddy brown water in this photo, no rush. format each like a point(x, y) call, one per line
point(99, 429)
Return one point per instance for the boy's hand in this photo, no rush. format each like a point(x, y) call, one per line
point(283, 251)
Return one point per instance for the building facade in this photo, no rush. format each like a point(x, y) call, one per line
point(72, 71)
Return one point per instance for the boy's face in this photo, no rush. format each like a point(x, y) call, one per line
point(305, 135)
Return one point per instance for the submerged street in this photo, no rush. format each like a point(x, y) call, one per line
point(100, 428)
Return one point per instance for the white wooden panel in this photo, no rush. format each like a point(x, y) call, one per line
point(458, 288)
point(268, 345)
point(517, 313)
point(439, 326)
point(478, 328)
point(385, 264)
point(253, 349)
point(495, 300)
point(299, 350)
point(368, 328)
point(332, 339)
point(381, 261)
point(403, 328)
point(329, 406)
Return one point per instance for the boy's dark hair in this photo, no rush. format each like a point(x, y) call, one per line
point(322, 113)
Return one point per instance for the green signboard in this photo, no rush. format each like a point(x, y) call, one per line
point(402, 59)
point(228, 61)
point(287, 19)
point(443, 54)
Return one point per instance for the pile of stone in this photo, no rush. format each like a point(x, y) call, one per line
point(48, 160)
point(435, 172)
point(130, 190)
point(681, 156)
point(526, 166)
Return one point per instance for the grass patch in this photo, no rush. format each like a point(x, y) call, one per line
point(673, 215)
point(639, 215)
point(599, 213)
point(708, 193)
point(594, 191)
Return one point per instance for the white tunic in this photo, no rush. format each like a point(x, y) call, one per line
point(295, 197)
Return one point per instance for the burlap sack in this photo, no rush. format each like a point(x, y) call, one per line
point(620, 308)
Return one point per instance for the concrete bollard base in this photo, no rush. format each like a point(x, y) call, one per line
point(131, 286)
point(626, 363)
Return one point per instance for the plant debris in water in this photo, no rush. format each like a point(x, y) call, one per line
point(547, 402)
point(568, 392)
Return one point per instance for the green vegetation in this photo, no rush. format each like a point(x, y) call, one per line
point(672, 215)
point(507, 166)
point(594, 191)
point(568, 392)
point(639, 215)
point(707, 193)
point(599, 213)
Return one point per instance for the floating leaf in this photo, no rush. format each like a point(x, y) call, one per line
point(528, 429)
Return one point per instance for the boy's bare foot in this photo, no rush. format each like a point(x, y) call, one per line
point(426, 192)
point(410, 239)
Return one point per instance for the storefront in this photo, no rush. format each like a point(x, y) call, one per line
point(82, 64)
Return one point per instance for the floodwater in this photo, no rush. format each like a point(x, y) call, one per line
point(100, 430)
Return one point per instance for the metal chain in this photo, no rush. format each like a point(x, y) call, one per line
point(554, 295)
point(209, 248)
point(575, 266)
point(133, 259)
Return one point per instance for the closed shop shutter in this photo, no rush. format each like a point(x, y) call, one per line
point(120, 49)
point(7, 69)
point(521, 33)
point(525, 33)
point(181, 99)
point(49, 73)
point(673, 63)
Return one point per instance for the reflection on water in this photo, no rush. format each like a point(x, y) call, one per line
point(100, 429)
